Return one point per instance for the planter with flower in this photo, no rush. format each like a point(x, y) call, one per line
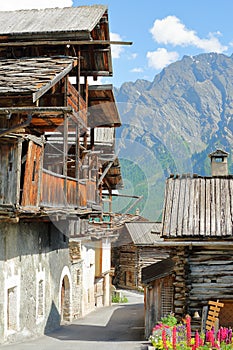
point(170, 335)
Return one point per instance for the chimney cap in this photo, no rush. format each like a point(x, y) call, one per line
point(218, 153)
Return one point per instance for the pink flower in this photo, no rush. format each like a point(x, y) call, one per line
point(164, 339)
point(197, 339)
point(188, 329)
point(211, 338)
point(174, 338)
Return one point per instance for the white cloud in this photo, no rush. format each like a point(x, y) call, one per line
point(161, 58)
point(170, 30)
point(116, 49)
point(10, 5)
point(136, 70)
point(134, 55)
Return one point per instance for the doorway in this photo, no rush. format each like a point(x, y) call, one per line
point(65, 299)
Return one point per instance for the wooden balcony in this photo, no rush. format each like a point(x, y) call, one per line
point(59, 191)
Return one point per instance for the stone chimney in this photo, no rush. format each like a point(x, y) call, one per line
point(219, 164)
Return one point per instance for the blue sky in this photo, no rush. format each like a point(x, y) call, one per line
point(180, 27)
point(162, 31)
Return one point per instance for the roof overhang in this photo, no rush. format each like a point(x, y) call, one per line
point(158, 270)
point(102, 109)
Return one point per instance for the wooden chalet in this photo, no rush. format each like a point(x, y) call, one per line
point(56, 155)
point(197, 233)
point(134, 250)
point(47, 135)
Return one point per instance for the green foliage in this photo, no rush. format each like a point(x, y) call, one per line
point(135, 183)
point(169, 320)
point(119, 299)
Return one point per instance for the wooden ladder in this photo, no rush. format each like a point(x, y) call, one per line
point(213, 313)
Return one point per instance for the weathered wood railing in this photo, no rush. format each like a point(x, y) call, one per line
point(57, 190)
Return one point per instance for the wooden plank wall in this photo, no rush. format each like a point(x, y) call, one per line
point(53, 193)
point(32, 176)
point(210, 276)
point(76, 101)
point(91, 191)
point(8, 173)
point(127, 266)
point(82, 195)
point(131, 261)
point(159, 302)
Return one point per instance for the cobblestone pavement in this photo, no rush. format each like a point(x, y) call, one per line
point(118, 327)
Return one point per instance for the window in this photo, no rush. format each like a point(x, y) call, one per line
point(34, 171)
point(40, 311)
point(40, 293)
point(78, 279)
point(12, 309)
point(218, 160)
point(167, 296)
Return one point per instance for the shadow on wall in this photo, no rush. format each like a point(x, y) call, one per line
point(54, 319)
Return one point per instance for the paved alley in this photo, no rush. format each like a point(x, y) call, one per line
point(119, 326)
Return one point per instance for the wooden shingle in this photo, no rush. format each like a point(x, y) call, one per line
point(198, 207)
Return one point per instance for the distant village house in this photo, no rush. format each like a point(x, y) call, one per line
point(197, 234)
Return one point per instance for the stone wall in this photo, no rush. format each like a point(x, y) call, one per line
point(32, 258)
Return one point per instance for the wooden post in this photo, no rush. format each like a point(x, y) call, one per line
point(65, 151)
point(18, 170)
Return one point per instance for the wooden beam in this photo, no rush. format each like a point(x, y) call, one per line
point(105, 172)
point(35, 110)
point(64, 42)
point(36, 95)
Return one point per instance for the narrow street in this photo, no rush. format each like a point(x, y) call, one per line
point(120, 326)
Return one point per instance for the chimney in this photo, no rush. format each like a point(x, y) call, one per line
point(219, 164)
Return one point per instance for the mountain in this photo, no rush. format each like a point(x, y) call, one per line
point(171, 124)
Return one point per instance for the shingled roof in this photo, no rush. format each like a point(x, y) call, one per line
point(198, 206)
point(158, 270)
point(144, 232)
point(103, 110)
point(33, 75)
point(80, 20)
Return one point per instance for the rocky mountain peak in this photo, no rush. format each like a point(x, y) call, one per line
point(176, 120)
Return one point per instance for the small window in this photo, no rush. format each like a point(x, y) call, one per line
point(41, 298)
point(78, 278)
point(218, 160)
point(12, 309)
point(34, 171)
